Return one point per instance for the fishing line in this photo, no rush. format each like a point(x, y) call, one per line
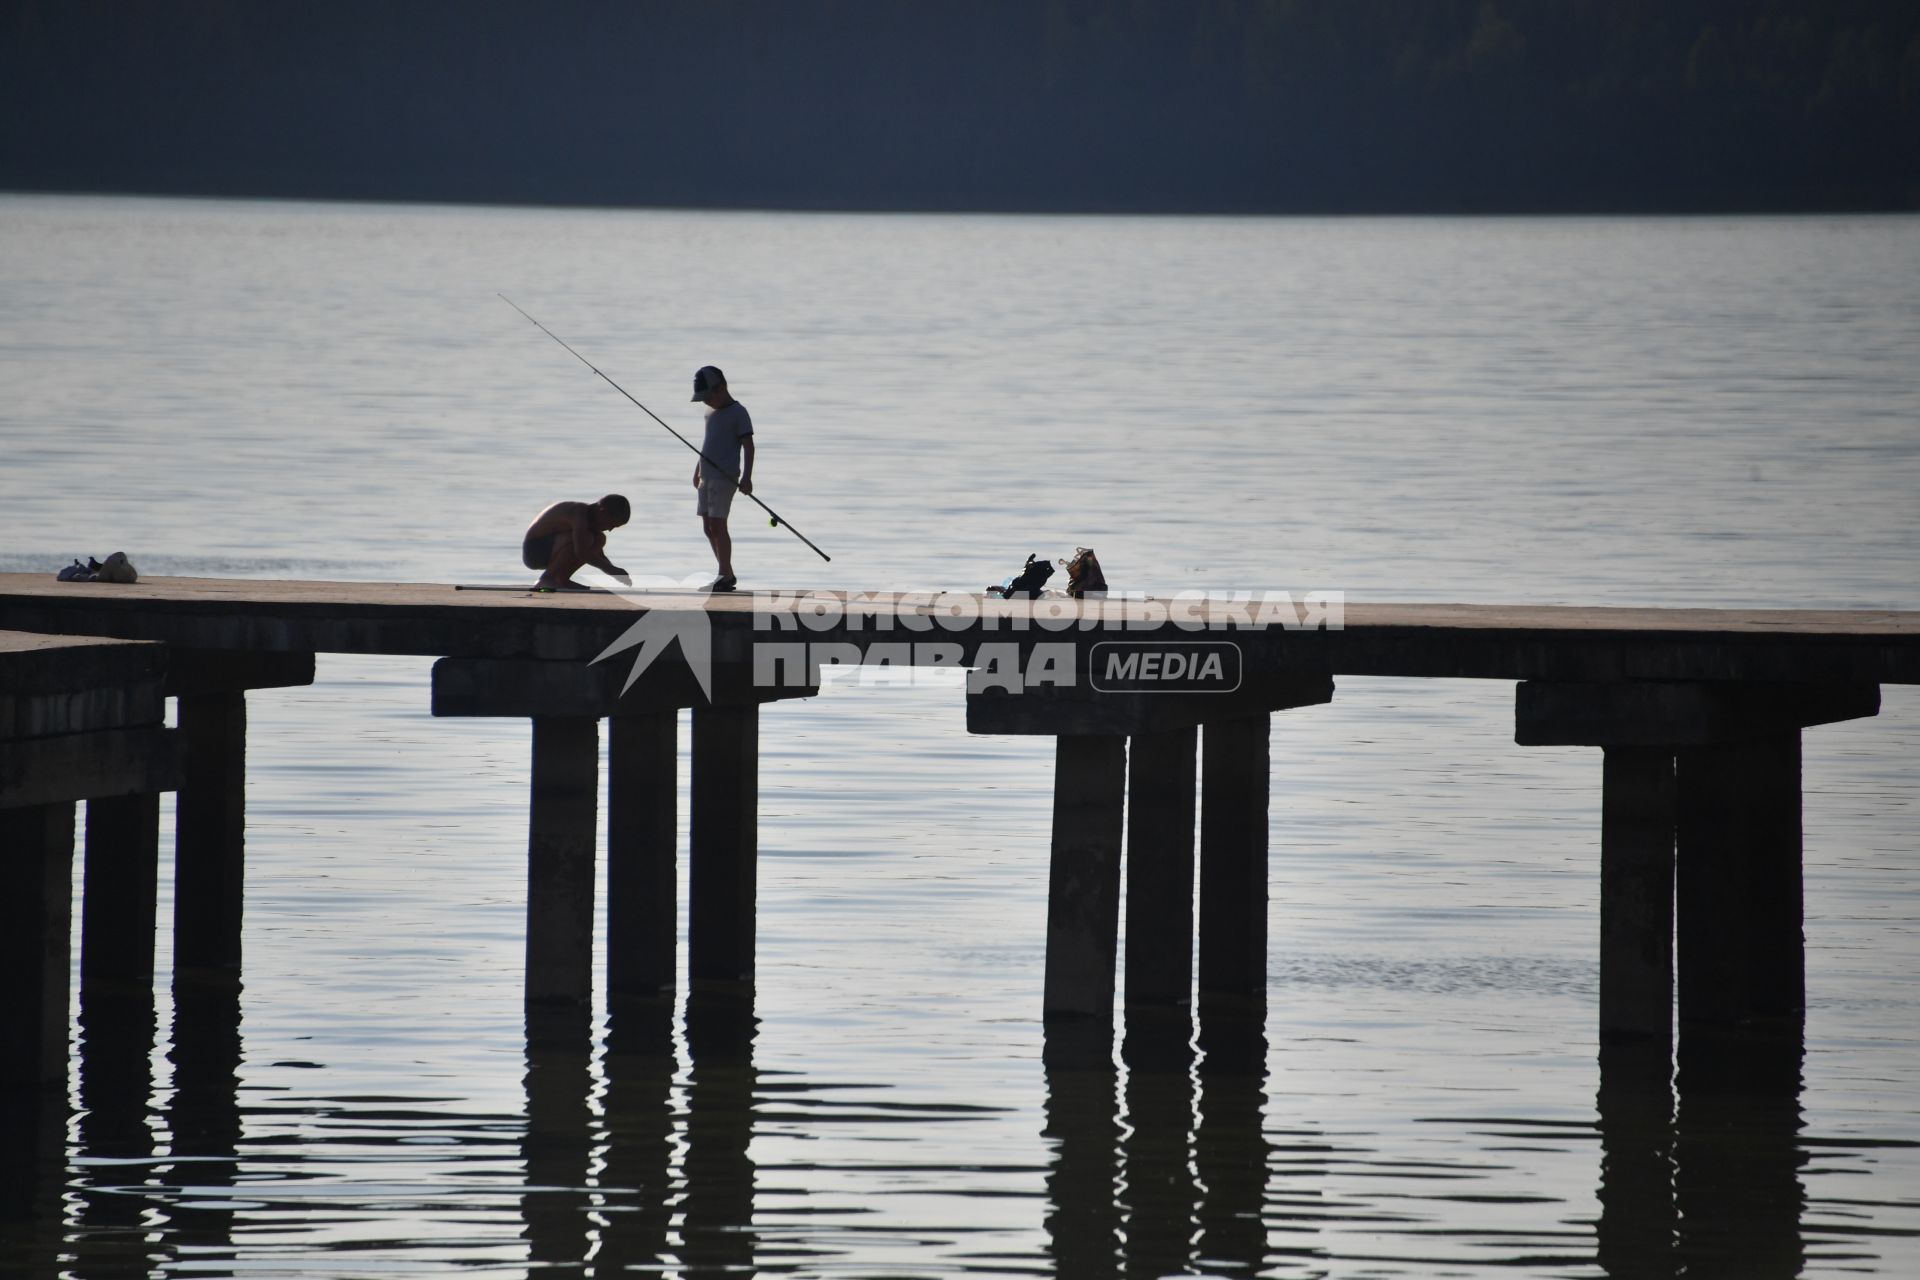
point(773, 517)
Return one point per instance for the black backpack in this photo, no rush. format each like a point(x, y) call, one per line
point(1027, 582)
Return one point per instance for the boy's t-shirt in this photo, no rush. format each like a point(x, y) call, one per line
point(726, 428)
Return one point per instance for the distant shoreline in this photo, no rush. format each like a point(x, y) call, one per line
point(1621, 209)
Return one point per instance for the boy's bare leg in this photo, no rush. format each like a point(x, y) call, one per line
point(560, 570)
point(722, 542)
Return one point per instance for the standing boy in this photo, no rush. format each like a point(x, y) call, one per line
point(721, 468)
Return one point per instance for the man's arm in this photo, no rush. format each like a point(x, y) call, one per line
point(599, 561)
point(746, 464)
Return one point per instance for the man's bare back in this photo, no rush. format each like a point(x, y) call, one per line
point(567, 535)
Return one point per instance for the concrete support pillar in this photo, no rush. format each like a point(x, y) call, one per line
point(1703, 792)
point(642, 896)
point(210, 833)
point(1636, 894)
point(1160, 813)
point(119, 901)
point(724, 841)
point(560, 855)
point(1083, 894)
point(36, 909)
point(1235, 766)
point(1742, 954)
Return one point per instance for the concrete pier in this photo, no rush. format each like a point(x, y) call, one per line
point(34, 942)
point(210, 823)
point(211, 832)
point(723, 840)
point(80, 719)
point(1083, 885)
point(566, 701)
point(1698, 713)
point(1160, 811)
point(562, 843)
point(1741, 946)
point(1235, 777)
point(1637, 809)
point(642, 853)
point(1154, 741)
point(120, 893)
point(1700, 840)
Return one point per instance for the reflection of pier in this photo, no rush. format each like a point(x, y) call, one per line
point(1699, 714)
point(1712, 1186)
point(1164, 1159)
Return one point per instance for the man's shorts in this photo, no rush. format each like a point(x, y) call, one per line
point(715, 495)
point(537, 553)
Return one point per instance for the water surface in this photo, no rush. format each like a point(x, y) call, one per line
point(1604, 411)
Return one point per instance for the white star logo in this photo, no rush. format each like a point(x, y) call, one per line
point(660, 626)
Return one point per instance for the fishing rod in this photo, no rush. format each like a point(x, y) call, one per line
point(773, 517)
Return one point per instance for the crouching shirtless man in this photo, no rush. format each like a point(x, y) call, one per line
point(569, 534)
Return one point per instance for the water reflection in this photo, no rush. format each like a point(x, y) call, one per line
point(1712, 1186)
point(636, 1176)
point(1166, 1173)
point(1639, 1222)
point(1231, 1151)
point(557, 1145)
point(117, 1139)
point(1738, 1154)
point(33, 1124)
point(203, 1116)
point(605, 1176)
point(719, 1236)
point(1161, 1160)
point(1082, 1108)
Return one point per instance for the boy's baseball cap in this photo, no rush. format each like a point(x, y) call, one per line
point(706, 381)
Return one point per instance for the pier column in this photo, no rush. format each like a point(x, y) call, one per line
point(36, 911)
point(1700, 840)
point(210, 826)
point(210, 820)
point(723, 839)
point(1235, 768)
point(560, 856)
point(641, 811)
point(1092, 728)
point(1160, 812)
point(1083, 889)
point(119, 899)
point(1636, 893)
point(80, 719)
point(642, 895)
point(1742, 948)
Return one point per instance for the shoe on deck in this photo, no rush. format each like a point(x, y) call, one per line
point(725, 582)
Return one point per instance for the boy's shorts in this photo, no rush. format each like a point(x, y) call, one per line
point(715, 495)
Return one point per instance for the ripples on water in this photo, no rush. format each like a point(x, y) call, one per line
point(1597, 411)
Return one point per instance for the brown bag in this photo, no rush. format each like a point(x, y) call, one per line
point(1083, 573)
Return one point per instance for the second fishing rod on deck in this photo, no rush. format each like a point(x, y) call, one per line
point(773, 517)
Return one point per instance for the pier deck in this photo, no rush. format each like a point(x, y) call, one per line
point(1481, 641)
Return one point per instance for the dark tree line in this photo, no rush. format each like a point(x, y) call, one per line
point(1218, 105)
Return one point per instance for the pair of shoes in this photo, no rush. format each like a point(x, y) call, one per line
point(725, 582)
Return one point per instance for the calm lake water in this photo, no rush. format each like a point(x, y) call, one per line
point(1618, 411)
